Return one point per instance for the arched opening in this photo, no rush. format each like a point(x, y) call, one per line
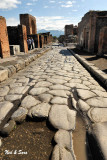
point(33, 27)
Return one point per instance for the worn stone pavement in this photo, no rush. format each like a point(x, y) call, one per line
point(47, 85)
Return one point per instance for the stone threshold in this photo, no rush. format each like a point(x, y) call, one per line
point(101, 76)
point(8, 71)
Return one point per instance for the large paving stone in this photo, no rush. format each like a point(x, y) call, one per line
point(37, 91)
point(59, 87)
point(59, 100)
point(40, 110)
point(85, 94)
point(60, 153)
point(15, 85)
point(63, 138)
point(97, 102)
point(4, 91)
point(19, 115)
point(60, 93)
point(83, 106)
point(12, 97)
point(43, 84)
point(19, 90)
point(45, 97)
point(61, 117)
point(56, 81)
point(100, 93)
point(23, 80)
point(99, 131)
point(5, 107)
point(29, 102)
point(3, 75)
point(98, 114)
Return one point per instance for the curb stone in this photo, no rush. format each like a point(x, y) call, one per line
point(101, 76)
point(8, 71)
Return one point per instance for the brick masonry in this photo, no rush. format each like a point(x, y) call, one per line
point(30, 22)
point(4, 43)
point(18, 36)
point(102, 48)
point(89, 30)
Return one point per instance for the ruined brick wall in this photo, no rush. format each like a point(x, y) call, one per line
point(30, 22)
point(13, 35)
point(4, 43)
point(102, 48)
point(23, 38)
point(69, 30)
point(83, 27)
point(89, 29)
point(18, 36)
point(101, 22)
point(75, 30)
point(41, 40)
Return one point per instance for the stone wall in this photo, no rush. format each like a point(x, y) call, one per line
point(102, 48)
point(18, 36)
point(30, 22)
point(4, 43)
point(69, 30)
point(41, 40)
point(89, 29)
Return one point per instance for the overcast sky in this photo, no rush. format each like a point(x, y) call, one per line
point(50, 14)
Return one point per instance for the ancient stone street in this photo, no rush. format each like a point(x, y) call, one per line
point(55, 86)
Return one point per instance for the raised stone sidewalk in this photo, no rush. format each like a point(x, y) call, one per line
point(43, 89)
point(20, 62)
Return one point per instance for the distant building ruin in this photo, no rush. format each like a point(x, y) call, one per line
point(91, 31)
point(4, 43)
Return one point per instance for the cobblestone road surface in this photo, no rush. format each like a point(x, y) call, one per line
point(49, 83)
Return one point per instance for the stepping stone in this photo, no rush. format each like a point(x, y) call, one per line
point(83, 106)
point(43, 84)
point(12, 97)
point(97, 102)
point(60, 93)
point(59, 87)
point(40, 110)
point(85, 94)
point(58, 81)
point(98, 114)
point(59, 100)
point(8, 127)
point(60, 153)
point(87, 83)
point(63, 138)
point(3, 75)
point(5, 107)
point(29, 102)
point(4, 91)
point(61, 117)
point(45, 97)
point(19, 115)
point(37, 91)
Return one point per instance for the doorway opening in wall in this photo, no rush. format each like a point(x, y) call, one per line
point(33, 27)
